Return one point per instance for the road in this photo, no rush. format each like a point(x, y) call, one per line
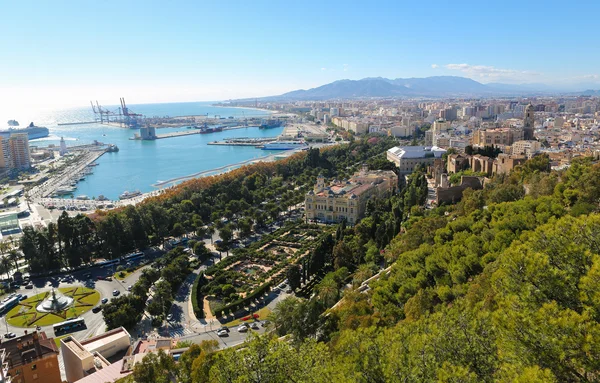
point(94, 321)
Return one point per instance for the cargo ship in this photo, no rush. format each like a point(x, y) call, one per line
point(32, 131)
point(284, 145)
point(271, 123)
point(208, 129)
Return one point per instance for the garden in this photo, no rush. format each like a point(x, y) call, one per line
point(25, 314)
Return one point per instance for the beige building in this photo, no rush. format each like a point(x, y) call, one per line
point(496, 137)
point(4, 152)
point(31, 358)
point(348, 199)
point(90, 356)
point(526, 148)
point(20, 157)
point(401, 131)
point(440, 126)
point(407, 158)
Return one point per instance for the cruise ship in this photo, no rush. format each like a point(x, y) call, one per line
point(284, 145)
point(271, 123)
point(32, 131)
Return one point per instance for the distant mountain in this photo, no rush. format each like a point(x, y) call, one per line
point(590, 92)
point(437, 86)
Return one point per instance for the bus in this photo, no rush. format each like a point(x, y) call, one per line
point(9, 304)
point(69, 325)
point(133, 256)
point(108, 263)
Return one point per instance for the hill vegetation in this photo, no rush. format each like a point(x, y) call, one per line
point(502, 287)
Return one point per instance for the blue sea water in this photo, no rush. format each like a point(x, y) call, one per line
point(140, 164)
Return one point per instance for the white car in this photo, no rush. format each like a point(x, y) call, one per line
point(222, 333)
point(254, 325)
point(129, 288)
point(242, 328)
point(116, 292)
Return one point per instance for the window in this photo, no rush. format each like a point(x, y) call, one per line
point(35, 376)
point(34, 367)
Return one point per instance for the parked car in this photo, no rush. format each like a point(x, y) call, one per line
point(104, 300)
point(222, 333)
point(10, 335)
point(109, 278)
point(115, 293)
point(97, 309)
point(129, 288)
point(99, 278)
point(254, 325)
point(29, 286)
point(242, 328)
point(23, 297)
point(265, 323)
point(170, 317)
point(224, 328)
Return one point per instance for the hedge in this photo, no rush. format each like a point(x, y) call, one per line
point(197, 298)
point(241, 303)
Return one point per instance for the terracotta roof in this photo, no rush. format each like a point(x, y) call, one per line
point(28, 348)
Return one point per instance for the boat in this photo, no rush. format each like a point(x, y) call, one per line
point(32, 131)
point(101, 197)
point(209, 129)
point(112, 148)
point(64, 190)
point(82, 197)
point(128, 195)
point(271, 123)
point(13, 123)
point(284, 145)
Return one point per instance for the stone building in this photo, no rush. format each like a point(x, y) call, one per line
point(348, 199)
point(31, 358)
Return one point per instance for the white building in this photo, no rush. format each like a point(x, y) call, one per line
point(407, 158)
point(526, 148)
point(63, 147)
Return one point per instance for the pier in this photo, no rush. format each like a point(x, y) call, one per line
point(243, 141)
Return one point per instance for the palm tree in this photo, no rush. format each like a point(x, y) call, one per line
point(5, 267)
point(14, 256)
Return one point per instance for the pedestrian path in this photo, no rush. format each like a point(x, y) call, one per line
point(179, 331)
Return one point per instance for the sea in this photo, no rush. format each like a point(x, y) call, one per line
point(138, 165)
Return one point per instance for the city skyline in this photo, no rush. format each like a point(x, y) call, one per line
point(64, 54)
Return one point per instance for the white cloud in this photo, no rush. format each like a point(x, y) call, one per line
point(491, 73)
point(434, 66)
point(323, 68)
point(346, 66)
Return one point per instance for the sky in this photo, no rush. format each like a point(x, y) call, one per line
point(64, 53)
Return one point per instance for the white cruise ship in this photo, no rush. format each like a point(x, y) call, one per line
point(284, 145)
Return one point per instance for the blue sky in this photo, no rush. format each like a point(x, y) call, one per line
point(66, 52)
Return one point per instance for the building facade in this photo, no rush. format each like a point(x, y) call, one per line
point(526, 148)
point(20, 157)
point(347, 200)
point(528, 122)
point(496, 137)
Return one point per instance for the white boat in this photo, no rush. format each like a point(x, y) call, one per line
point(64, 190)
point(82, 197)
point(284, 145)
point(127, 195)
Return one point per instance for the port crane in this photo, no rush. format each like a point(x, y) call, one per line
point(103, 112)
point(130, 119)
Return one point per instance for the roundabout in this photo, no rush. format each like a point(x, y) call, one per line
point(54, 306)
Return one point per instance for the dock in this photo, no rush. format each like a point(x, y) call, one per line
point(77, 123)
point(243, 141)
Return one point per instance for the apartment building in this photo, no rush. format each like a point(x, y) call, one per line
point(31, 358)
point(20, 157)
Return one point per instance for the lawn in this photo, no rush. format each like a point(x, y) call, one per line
point(26, 315)
point(121, 275)
point(262, 315)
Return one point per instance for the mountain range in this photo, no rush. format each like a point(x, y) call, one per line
point(437, 86)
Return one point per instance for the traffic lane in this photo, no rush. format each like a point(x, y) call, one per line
point(233, 338)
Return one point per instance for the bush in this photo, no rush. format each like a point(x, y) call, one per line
point(120, 268)
point(197, 297)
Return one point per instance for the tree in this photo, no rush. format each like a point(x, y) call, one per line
point(155, 367)
point(293, 276)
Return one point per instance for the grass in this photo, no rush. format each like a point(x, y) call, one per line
point(262, 315)
point(26, 315)
point(121, 275)
point(58, 338)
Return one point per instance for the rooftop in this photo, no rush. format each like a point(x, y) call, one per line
point(28, 348)
point(417, 151)
point(96, 342)
point(109, 373)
